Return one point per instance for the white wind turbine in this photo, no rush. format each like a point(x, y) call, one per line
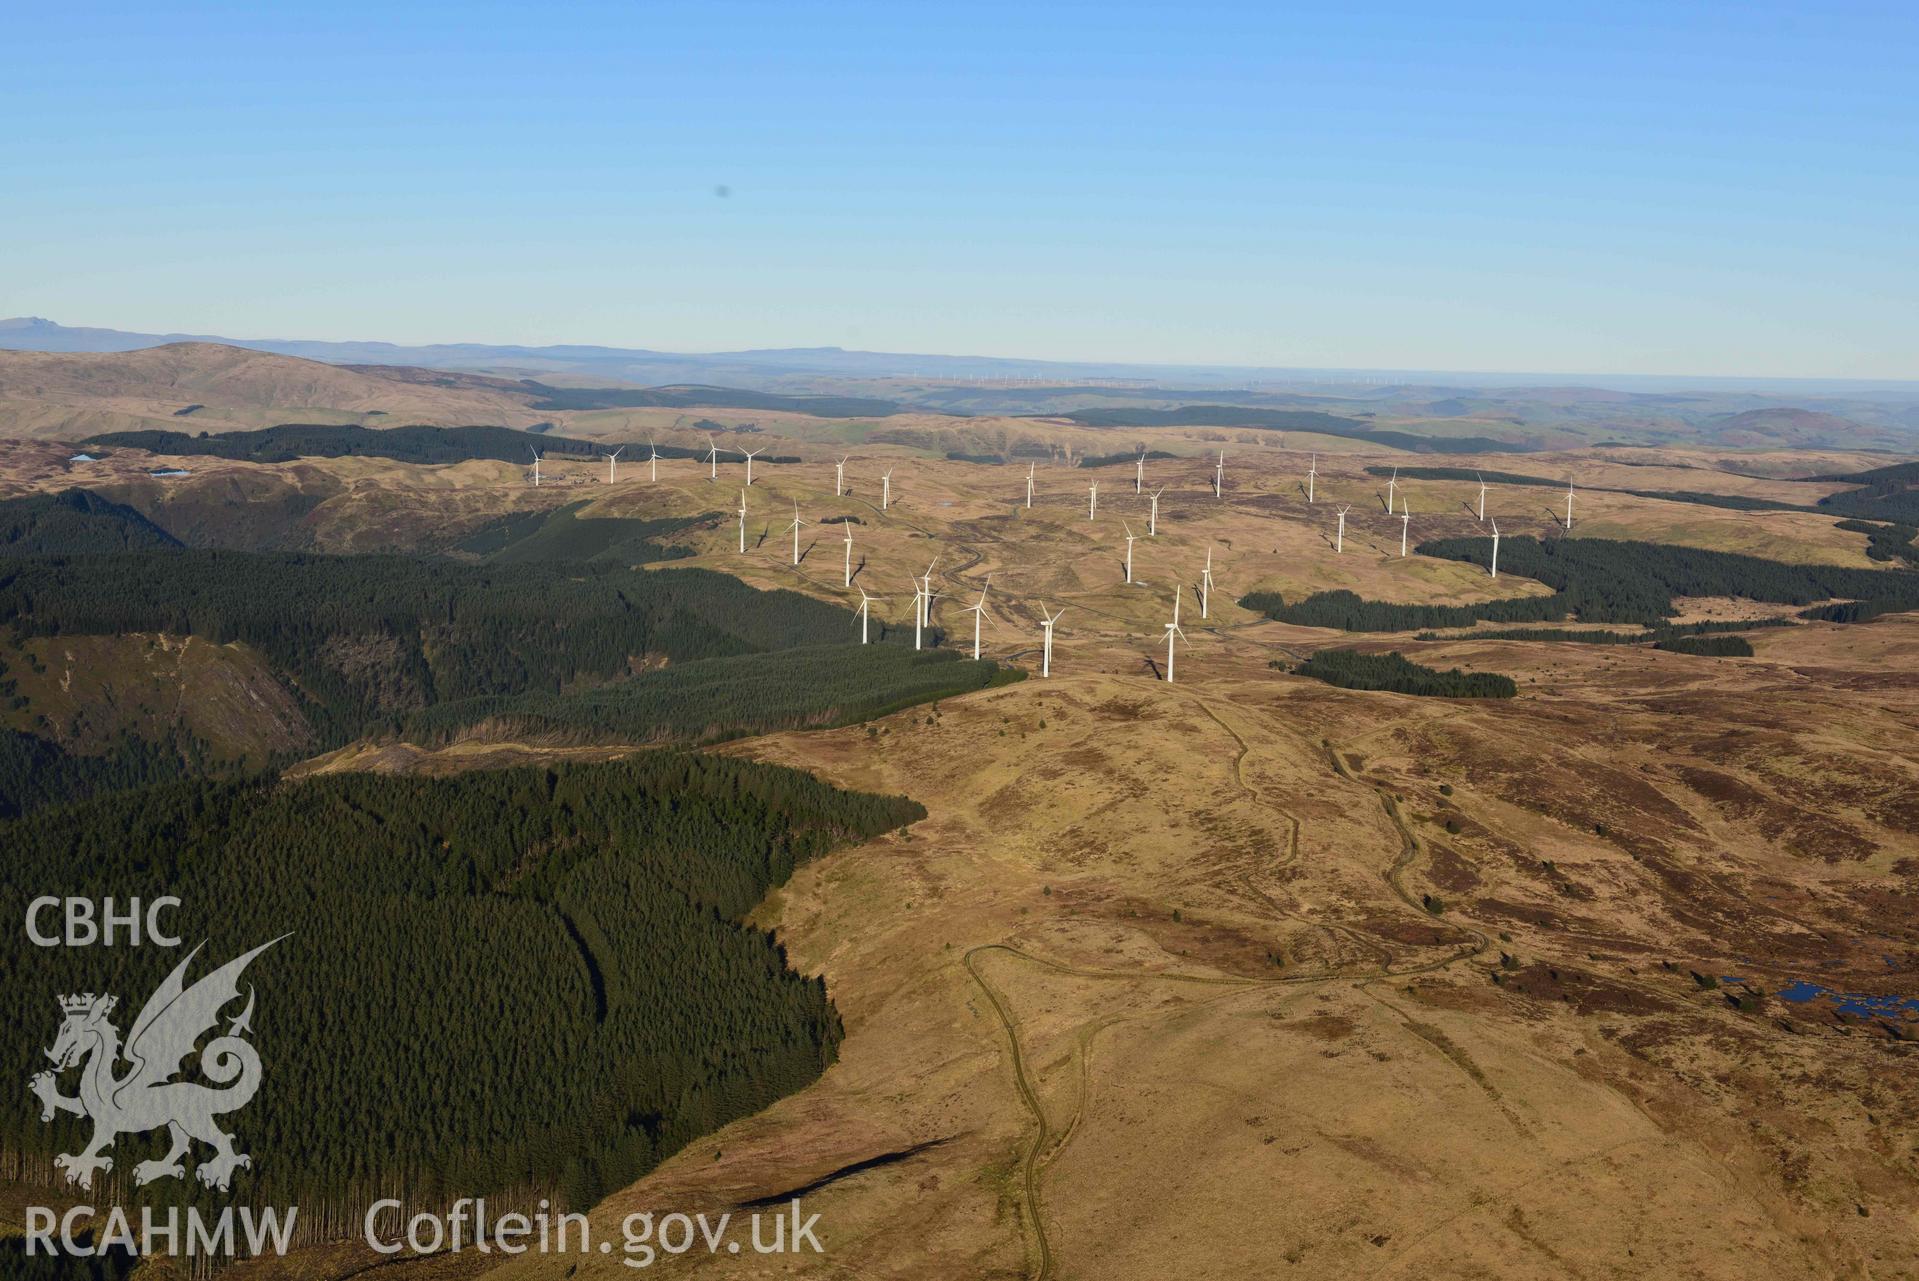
point(1569, 505)
point(1391, 485)
point(654, 460)
point(1495, 562)
point(1152, 513)
point(886, 489)
point(536, 466)
point(1206, 584)
point(751, 454)
point(839, 478)
point(797, 522)
point(848, 527)
point(1029, 485)
point(1092, 502)
point(712, 459)
point(978, 610)
point(1172, 630)
point(742, 522)
point(1482, 498)
point(1139, 471)
point(1339, 539)
point(923, 603)
point(865, 600)
point(1129, 550)
point(1219, 476)
point(1046, 622)
point(1405, 523)
point(613, 466)
point(1312, 474)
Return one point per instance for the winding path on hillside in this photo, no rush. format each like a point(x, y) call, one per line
point(1047, 1144)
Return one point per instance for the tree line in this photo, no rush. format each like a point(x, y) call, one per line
point(1394, 672)
point(1732, 502)
point(363, 641)
point(408, 444)
point(1597, 581)
point(706, 700)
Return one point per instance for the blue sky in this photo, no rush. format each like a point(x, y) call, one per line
point(1662, 188)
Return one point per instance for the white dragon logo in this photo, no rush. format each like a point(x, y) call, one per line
point(144, 1098)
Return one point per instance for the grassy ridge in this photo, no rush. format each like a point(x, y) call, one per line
point(694, 396)
point(1286, 420)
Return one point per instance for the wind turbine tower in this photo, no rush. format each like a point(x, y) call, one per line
point(1312, 474)
point(1092, 502)
point(1391, 485)
point(978, 610)
point(712, 459)
point(923, 603)
point(848, 527)
point(1339, 539)
point(864, 602)
point(1172, 630)
point(1495, 562)
point(655, 460)
point(839, 478)
point(1405, 523)
point(751, 454)
point(797, 522)
point(1152, 513)
point(1029, 485)
point(536, 466)
point(1219, 476)
point(1569, 506)
point(1482, 498)
point(1129, 551)
point(886, 489)
point(1206, 584)
point(1046, 622)
point(742, 522)
point(613, 466)
point(1139, 472)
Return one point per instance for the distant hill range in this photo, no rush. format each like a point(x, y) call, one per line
point(66, 382)
point(749, 368)
point(1799, 428)
point(193, 387)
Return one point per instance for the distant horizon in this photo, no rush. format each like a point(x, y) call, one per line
point(1339, 375)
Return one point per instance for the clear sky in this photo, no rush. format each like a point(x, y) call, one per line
point(1660, 187)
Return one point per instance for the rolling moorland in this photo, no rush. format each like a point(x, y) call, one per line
point(1553, 924)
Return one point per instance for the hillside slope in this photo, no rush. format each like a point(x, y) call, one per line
point(208, 387)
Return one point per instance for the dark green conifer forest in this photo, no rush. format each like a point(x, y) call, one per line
point(513, 979)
